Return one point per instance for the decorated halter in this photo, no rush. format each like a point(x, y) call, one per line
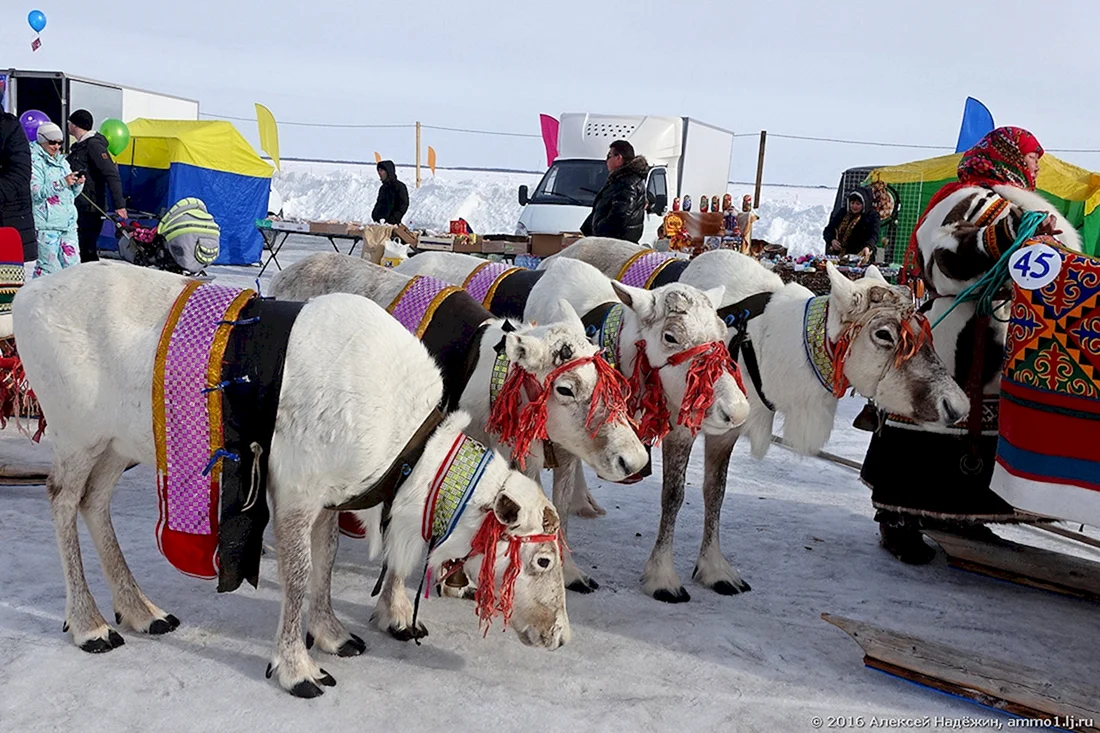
point(522, 424)
point(450, 494)
point(647, 397)
point(828, 359)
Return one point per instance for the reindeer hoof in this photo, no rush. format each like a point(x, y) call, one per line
point(583, 585)
point(309, 641)
point(353, 647)
point(726, 588)
point(118, 617)
point(409, 634)
point(163, 626)
point(101, 646)
point(326, 679)
point(65, 628)
point(667, 596)
point(306, 689)
point(270, 670)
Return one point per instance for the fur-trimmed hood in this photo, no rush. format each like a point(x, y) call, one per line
point(636, 166)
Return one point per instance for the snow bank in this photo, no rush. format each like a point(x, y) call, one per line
point(793, 217)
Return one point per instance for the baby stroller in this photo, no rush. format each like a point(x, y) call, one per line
point(185, 240)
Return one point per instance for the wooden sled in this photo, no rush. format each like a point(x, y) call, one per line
point(1023, 564)
point(995, 684)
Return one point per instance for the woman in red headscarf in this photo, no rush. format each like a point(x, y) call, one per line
point(925, 477)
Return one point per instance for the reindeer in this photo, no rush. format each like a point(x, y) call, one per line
point(355, 387)
point(670, 342)
point(887, 356)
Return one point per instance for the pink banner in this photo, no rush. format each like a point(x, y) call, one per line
point(549, 137)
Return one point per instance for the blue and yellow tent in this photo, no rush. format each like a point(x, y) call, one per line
point(168, 160)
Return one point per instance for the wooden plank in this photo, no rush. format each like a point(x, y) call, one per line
point(7, 470)
point(1070, 534)
point(1023, 564)
point(996, 684)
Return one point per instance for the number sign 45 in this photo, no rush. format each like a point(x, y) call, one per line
point(1035, 267)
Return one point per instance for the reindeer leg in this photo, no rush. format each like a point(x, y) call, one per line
point(660, 579)
point(298, 674)
point(65, 486)
point(325, 629)
point(712, 569)
point(393, 612)
point(584, 504)
point(565, 482)
point(131, 605)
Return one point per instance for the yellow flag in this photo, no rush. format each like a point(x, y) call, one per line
point(269, 133)
point(431, 159)
point(377, 157)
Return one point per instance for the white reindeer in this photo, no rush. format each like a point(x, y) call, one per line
point(873, 312)
point(355, 387)
point(670, 321)
point(613, 450)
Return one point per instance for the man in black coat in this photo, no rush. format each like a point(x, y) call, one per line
point(15, 183)
point(89, 154)
point(619, 208)
point(393, 197)
point(854, 230)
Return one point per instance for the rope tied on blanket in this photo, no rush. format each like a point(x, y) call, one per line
point(985, 290)
point(222, 385)
point(218, 455)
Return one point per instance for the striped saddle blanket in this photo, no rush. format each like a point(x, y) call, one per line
point(1048, 450)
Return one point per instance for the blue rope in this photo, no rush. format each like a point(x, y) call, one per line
point(218, 454)
point(986, 288)
point(222, 385)
point(245, 322)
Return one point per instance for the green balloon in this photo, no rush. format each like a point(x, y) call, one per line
point(117, 134)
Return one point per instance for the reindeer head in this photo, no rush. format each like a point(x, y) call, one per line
point(580, 401)
point(675, 319)
point(887, 350)
point(520, 553)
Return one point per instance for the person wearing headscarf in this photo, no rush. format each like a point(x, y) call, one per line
point(935, 477)
point(54, 189)
point(854, 230)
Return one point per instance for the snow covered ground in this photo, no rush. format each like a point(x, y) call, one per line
point(800, 531)
point(793, 217)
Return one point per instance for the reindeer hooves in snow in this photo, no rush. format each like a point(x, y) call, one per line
point(157, 627)
point(725, 587)
point(307, 688)
point(101, 644)
point(583, 584)
point(353, 647)
point(408, 633)
point(680, 595)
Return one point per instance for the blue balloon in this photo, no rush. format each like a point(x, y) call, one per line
point(37, 20)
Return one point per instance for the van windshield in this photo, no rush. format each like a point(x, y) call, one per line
point(574, 182)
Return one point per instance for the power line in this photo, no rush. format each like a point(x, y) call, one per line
point(310, 124)
point(481, 132)
point(860, 142)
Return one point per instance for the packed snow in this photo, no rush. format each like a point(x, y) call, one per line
point(791, 216)
point(800, 530)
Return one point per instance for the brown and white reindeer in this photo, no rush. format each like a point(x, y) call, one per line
point(669, 342)
point(358, 405)
point(800, 353)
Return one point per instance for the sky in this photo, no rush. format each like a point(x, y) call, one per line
point(858, 70)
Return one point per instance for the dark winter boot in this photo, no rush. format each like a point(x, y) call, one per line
point(903, 540)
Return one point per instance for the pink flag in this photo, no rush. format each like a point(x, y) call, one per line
point(549, 137)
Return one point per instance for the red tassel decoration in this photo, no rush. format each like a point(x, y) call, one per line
point(708, 363)
point(648, 398)
point(485, 543)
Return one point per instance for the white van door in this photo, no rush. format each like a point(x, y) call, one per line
point(656, 193)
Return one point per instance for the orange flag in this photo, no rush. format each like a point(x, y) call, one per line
point(431, 159)
point(377, 157)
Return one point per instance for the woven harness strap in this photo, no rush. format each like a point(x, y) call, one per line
point(385, 489)
point(737, 317)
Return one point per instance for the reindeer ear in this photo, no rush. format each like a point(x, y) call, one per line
point(873, 273)
point(527, 351)
point(506, 510)
point(550, 523)
point(569, 316)
point(841, 290)
point(715, 295)
point(640, 301)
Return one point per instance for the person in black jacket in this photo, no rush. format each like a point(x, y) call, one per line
point(619, 208)
point(89, 154)
point(854, 230)
point(15, 183)
point(393, 197)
